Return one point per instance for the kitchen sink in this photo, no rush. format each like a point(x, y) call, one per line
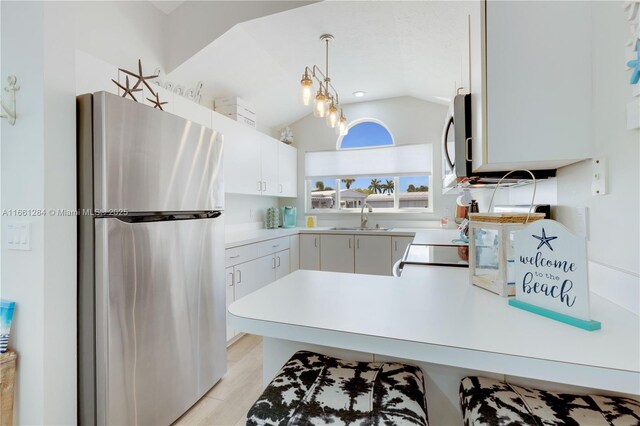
point(358, 228)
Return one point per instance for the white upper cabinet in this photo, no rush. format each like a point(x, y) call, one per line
point(252, 161)
point(242, 160)
point(269, 161)
point(531, 84)
point(287, 171)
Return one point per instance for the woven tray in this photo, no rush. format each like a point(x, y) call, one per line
point(505, 217)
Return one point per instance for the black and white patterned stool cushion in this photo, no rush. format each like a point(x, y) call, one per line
point(491, 402)
point(315, 389)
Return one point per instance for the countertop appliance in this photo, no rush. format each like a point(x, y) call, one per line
point(151, 291)
point(288, 217)
point(457, 152)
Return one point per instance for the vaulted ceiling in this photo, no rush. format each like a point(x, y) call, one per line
point(385, 48)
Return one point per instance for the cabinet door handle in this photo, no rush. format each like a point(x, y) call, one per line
point(467, 141)
point(278, 261)
point(234, 257)
point(233, 278)
point(349, 242)
point(239, 276)
point(275, 245)
point(280, 186)
point(357, 243)
point(315, 242)
point(396, 245)
point(259, 186)
point(264, 185)
point(274, 263)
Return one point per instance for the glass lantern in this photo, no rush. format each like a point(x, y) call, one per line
point(491, 252)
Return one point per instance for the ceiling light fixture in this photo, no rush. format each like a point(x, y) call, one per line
point(326, 103)
point(358, 94)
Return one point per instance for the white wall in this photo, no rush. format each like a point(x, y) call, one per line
point(244, 212)
point(614, 225)
point(121, 32)
point(195, 24)
point(410, 121)
point(38, 172)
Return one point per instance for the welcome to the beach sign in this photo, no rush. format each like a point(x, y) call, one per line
point(551, 274)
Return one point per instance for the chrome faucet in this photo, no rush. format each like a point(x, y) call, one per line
point(363, 215)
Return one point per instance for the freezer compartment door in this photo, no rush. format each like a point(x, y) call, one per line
point(147, 160)
point(160, 317)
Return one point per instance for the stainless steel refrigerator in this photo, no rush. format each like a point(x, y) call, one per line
point(151, 295)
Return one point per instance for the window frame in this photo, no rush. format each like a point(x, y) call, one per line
point(350, 210)
point(360, 121)
point(396, 209)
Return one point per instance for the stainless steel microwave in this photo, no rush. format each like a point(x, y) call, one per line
point(457, 151)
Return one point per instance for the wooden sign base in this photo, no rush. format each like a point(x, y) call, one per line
point(585, 325)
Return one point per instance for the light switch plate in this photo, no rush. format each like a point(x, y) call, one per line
point(599, 176)
point(17, 236)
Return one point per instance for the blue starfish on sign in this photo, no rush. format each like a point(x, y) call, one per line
point(635, 66)
point(544, 240)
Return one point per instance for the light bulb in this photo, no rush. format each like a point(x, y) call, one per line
point(343, 130)
point(320, 105)
point(306, 86)
point(332, 116)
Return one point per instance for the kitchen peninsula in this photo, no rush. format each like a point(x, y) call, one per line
point(434, 318)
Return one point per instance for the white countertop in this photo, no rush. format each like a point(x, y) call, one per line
point(423, 236)
point(432, 314)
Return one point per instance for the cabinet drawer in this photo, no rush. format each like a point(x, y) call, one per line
point(240, 254)
point(272, 246)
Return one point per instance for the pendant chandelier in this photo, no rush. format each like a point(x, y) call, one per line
point(326, 103)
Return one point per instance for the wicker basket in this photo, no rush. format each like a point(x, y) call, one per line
point(522, 218)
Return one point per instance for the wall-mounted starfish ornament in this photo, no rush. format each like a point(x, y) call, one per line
point(141, 77)
point(156, 102)
point(544, 240)
point(635, 65)
point(127, 89)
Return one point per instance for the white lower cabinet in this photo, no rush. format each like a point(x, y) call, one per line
point(398, 247)
point(282, 264)
point(310, 252)
point(294, 253)
point(229, 280)
point(336, 253)
point(373, 255)
point(241, 279)
point(244, 278)
point(362, 254)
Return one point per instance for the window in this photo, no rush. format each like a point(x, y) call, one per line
point(367, 167)
point(365, 134)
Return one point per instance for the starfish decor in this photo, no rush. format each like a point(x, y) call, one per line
point(142, 79)
point(127, 89)
point(635, 65)
point(544, 240)
point(156, 102)
point(140, 76)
